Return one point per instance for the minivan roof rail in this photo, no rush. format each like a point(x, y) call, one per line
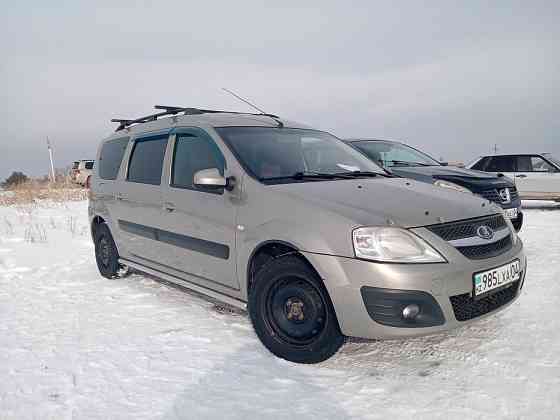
point(174, 110)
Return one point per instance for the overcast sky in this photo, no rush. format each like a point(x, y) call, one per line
point(451, 78)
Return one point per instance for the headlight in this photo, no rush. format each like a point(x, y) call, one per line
point(451, 186)
point(391, 244)
point(513, 231)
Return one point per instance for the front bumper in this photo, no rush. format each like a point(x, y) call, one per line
point(345, 278)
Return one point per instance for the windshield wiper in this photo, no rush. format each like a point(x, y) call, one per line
point(306, 175)
point(404, 162)
point(355, 174)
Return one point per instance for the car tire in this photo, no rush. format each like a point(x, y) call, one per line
point(292, 313)
point(106, 253)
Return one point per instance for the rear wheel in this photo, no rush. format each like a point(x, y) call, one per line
point(106, 254)
point(292, 313)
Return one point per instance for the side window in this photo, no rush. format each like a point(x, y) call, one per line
point(89, 165)
point(501, 164)
point(110, 158)
point(192, 154)
point(482, 164)
point(146, 161)
point(524, 164)
point(540, 165)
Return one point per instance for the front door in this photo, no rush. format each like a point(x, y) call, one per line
point(199, 225)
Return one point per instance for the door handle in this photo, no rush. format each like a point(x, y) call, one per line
point(521, 176)
point(169, 207)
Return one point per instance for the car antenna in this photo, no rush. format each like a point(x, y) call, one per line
point(274, 117)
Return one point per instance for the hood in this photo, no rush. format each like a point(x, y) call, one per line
point(475, 180)
point(382, 201)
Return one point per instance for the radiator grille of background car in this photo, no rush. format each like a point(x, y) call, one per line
point(467, 228)
point(513, 193)
point(494, 196)
point(466, 307)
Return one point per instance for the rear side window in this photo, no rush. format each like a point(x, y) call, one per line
point(89, 165)
point(192, 154)
point(111, 157)
point(533, 164)
point(146, 162)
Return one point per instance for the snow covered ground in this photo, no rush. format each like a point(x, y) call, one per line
point(74, 345)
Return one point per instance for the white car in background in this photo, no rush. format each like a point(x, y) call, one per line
point(536, 176)
point(81, 171)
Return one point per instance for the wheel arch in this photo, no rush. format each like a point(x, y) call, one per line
point(95, 222)
point(266, 252)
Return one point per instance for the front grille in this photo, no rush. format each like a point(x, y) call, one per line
point(466, 307)
point(494, 196)
point(480, 252)
point(467, 228)
point(513, 193)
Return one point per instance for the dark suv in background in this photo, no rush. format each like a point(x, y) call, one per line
point(408, 162)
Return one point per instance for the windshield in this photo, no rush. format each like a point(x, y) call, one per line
point(389, 154)
point(273, 153)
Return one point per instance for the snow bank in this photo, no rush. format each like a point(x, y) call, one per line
point(74, 345)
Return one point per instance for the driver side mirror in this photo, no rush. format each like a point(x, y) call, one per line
point(213, 180)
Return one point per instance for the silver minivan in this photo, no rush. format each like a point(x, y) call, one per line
point(316, 241)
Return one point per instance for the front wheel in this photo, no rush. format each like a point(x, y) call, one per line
point(292, 313)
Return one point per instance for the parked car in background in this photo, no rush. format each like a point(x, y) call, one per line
point(536, 176)
point(81, 171)
point(315, 240)
point(408, 162)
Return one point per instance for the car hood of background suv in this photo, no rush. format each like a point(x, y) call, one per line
point(474, 180)
point(383, 201)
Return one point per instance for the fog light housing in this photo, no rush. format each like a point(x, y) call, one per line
point(410, 312)
point(387, 307)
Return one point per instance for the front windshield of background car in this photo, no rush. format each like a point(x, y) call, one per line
point(273, 153)
point(389, 154)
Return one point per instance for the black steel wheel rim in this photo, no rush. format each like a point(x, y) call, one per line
point(295, 311)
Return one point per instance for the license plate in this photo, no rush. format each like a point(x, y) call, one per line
point(511, 213)
point(496, 278)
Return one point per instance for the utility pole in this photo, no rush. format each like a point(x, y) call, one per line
point(53, 178)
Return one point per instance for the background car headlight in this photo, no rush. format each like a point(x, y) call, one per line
point(391, 244)
point(514, 236)
point(451, 186)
